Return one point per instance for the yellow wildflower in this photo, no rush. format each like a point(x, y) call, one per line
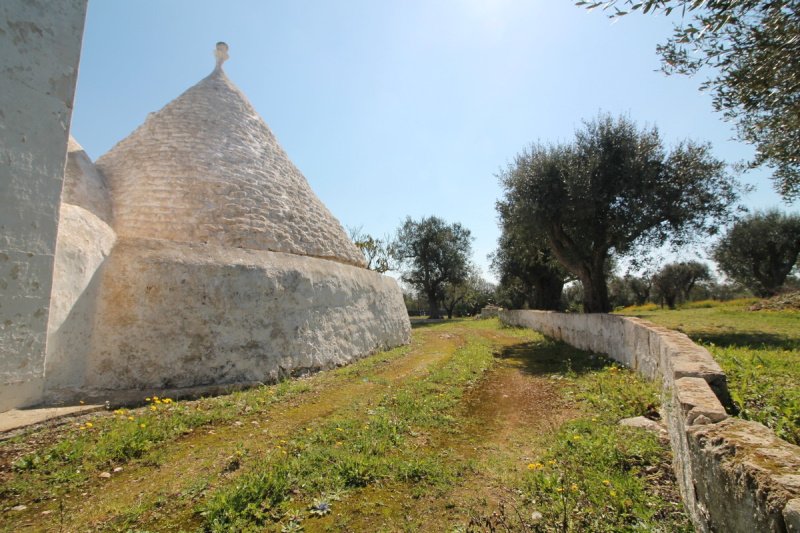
point(612, 492)
point(573, 487)
point(147, 399)
point(130, 418)
point(606, 482)
point(142, 426)
point(153, 408)
point(559, 489)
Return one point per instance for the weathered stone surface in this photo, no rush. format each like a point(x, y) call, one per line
point(646, 424)
point(40, 47)
point(744, 474)
point(178, 315)
point(791, 515)
point(84, 242)
point(207, 169)
point(84, 186)
point(696, 399)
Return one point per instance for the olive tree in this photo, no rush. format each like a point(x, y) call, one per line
point(613, 190)
point(760, 251)
point(431, 254)
point(524, 262)
point(752, 49)
point(675, 281)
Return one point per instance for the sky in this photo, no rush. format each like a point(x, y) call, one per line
point(399, 108)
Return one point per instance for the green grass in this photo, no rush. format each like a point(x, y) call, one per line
point(412, 438)
point(593, 474)
point(758, 350)
point(353, 450)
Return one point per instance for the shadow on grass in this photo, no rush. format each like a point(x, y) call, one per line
point(552, 357)
point(746, 339)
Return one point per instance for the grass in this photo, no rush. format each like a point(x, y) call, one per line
point(758, 350)
point(445, 435)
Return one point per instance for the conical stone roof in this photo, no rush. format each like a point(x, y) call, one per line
point(207, 169)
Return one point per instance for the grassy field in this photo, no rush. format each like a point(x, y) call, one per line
point(474, 427)
point(758, 350)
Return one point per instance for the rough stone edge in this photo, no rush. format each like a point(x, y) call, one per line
point(717, 472)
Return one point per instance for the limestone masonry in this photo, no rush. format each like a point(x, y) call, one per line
point(195, 255)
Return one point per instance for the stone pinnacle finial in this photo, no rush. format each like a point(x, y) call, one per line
point(221, 53)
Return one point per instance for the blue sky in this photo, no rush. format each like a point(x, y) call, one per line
point(397, 108)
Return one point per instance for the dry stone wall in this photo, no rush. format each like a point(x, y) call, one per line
point(207, 169)
point(734, 475)
point(39, 53)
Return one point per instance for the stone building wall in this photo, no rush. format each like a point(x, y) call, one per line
point(735, 476)
point(40, 44)
point(177, 316)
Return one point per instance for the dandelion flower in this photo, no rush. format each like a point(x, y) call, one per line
point(573, 487)
point(339, 429)
point(130, 418)
point(552, 462)
point(576, 437)
point(142, 426)
point(153, 408)
point(82, 428)
point(612, 492)
point(559, 489)
point(89, 425)
point(606, 482)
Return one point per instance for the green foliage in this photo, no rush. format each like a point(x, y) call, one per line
point(433, 253)
point(469, 296)
point(524, 263)
point(612, 191)
point(377, 252)
point(674, 282)
point(753, 50)
point(760, 251)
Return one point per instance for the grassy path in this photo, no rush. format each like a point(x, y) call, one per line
point(471, 427)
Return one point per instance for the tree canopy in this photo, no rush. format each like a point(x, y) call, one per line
point(675, 281)
point(377, 252)
point(433, 253)
point(760, 251)
point(524, 262)
point(612, 190)
point(753, 49)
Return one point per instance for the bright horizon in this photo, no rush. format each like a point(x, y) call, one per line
point(399, 109)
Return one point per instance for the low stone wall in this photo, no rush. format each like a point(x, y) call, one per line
point(734, 475)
